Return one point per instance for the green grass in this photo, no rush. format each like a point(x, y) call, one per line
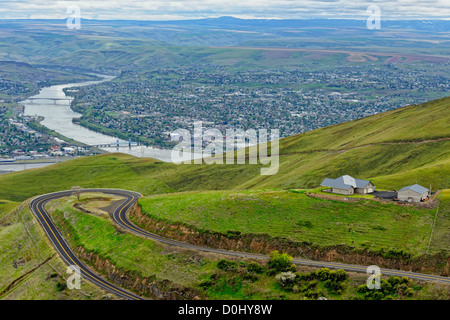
point(441, 232)
point(295, 216)
point(125, 251)
point(24, 247)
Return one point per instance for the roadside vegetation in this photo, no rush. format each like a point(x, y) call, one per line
point(279, 280)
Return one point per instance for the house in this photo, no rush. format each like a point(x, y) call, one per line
point(413, 193)
point(69, 150)
point(348, 185)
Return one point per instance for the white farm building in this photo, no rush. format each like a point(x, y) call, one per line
point(413, 193)
point(348, 185)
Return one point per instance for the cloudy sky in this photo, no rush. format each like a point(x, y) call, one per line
point(189, 9)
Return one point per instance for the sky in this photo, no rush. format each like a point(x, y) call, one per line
point(195, 9)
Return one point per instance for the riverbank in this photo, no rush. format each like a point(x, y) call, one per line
point(59, 119)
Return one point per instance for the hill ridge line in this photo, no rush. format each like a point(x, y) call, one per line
point(370, 144)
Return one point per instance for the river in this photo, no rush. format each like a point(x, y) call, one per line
point(58, 117)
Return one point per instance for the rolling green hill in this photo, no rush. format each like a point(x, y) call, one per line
point(294, 216)
point(394, 149)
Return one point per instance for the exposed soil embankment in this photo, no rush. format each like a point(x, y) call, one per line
point(149, 287)
point(262, 243)
point(143, 286)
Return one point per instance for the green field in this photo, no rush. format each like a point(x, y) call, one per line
point(297, 217)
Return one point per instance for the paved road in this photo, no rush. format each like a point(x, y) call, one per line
point(37, 207)
point(120, 217)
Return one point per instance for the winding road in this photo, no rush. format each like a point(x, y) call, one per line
point(120, 217)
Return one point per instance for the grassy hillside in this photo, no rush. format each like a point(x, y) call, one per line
point(394, 149)
point(412, 123)
point(297, 217)
point(29, 266)
point(20, 80)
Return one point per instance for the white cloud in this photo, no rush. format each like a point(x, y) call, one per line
point(185, 9)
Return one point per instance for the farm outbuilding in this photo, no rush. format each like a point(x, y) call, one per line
point(413, 193)
point(348, 185)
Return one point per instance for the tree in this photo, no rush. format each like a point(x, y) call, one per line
point(77, 191)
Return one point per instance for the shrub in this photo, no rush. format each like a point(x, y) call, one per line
point(341, 275)
point(280, 262)
point(250, 277)
point(312, 284)
point(271, 272)
point(334, 287)
point(397, 254)
point(394, 281)
point(362, 289)
point(311, 294)
point(306, 276)
point(293, 268)
point(255, 267)
point(323, 274)
point(226, 265)
point(394, 285)
point(61, 285)
point(386, 287)
point(231, 234)
point(405, 280)
point(373, 295)
point(286, 280)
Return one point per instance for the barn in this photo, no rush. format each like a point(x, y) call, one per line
point(348, 185)
point(413, 193)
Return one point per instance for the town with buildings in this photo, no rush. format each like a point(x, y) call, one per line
point(20, 140)
point(148, 106)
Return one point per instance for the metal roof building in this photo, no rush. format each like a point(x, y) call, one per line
point(348, 185)
point(413, 193)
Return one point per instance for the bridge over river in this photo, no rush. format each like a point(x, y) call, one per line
point(117, 144)
point(46, 100)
